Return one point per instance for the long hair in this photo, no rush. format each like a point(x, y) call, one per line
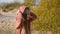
point(25, 12)
point(27, 9)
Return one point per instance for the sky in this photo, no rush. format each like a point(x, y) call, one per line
point(9, 1)
point(6, 1)
point(20, 1)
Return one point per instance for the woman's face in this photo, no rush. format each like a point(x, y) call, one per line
point(28, 13)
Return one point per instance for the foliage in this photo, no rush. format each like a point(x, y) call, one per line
point(48, 15)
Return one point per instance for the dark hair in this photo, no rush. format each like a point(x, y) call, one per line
point(25, 12)
point(27, 8)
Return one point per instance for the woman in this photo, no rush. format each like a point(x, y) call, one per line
point(23, 18)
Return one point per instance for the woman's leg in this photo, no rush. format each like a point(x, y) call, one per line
point(18, 31)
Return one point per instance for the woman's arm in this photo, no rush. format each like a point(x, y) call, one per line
point(18, 20)
point(32, 16)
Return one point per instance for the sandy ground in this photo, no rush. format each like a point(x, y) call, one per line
point(6, 22)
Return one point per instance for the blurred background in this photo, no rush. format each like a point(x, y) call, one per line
point(47, 11)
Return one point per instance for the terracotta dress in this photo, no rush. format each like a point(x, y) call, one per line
point(19, 21)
